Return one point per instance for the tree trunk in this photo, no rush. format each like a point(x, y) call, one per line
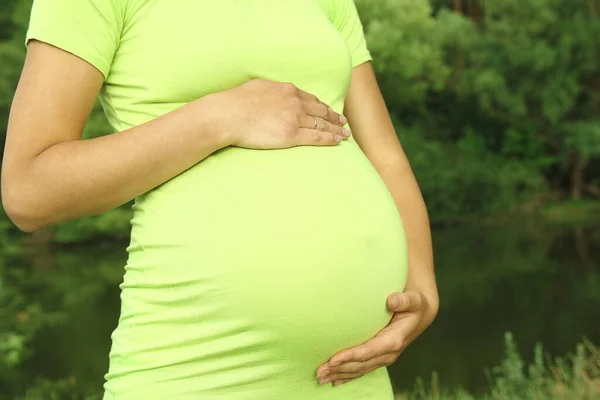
point(576, 175)
point(593, 190)
point(592, 7)
point(458, 6)
point(583, 247)
point(475, 11)
point(472, 9)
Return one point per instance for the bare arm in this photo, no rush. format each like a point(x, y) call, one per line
point(416, 307)
point(374, 132)
point(50, 175)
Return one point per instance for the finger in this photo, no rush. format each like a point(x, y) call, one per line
point(304, 95)
point(355, 369)
point(319, 124)
point(324, 111)
point(348, 375)
point(339, 382)
point(323, 370)
point(364, 367)
point(407, 301)
point(311, 98)
point(312, 137)
point(334, 129)
point(375, 347)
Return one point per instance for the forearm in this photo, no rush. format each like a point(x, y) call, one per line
point(406, 193)
point(375, 134)
point(79, 178)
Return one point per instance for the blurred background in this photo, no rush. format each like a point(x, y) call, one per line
point(497, 104)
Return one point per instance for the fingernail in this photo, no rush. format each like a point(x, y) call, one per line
point(394, 302)
point(323, 374)
point(343, 119)
point(324, 381)
point(337, 383)
point(334, 363)
point(338, 138)
point(346, 132)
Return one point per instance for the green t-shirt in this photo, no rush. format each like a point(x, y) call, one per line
point(248, 270)
point(157, 55)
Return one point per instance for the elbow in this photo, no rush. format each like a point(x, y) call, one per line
point(28, 226)
point(21, 219)
point(19, 210)
point(433, 306)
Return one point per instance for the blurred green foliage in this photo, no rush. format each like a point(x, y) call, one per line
point(495, 103)
point(59, 303)
point(575, 377)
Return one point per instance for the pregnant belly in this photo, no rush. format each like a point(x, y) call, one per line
point(256, 266)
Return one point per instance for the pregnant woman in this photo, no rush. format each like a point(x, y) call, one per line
point(268, 258)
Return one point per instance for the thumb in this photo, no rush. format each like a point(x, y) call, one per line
point(407, 301)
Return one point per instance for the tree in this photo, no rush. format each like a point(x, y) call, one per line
point(536, 66)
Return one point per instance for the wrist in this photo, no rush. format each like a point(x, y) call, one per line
point(211, 119)
point(431, 304)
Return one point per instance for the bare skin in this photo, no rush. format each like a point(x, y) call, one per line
point(50, 175)
point(416, 307)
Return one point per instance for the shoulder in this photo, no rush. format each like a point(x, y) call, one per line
point(80, 10)
point(338, 10)
point(89, 29)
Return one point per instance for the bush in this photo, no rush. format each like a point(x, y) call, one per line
point(464, 178)
point(575, 377)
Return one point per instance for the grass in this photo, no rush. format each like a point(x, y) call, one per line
point(583, 211)
point(574, 377)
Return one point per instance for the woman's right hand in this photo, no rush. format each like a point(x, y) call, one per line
point(263, 114)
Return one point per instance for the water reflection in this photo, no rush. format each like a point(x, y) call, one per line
point(540, 282)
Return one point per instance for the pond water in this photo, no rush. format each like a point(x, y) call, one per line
point(540, 282)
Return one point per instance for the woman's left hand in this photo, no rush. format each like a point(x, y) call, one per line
point(410, 309)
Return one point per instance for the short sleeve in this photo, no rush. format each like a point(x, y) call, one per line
point(89, 29)
point(345, 18)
